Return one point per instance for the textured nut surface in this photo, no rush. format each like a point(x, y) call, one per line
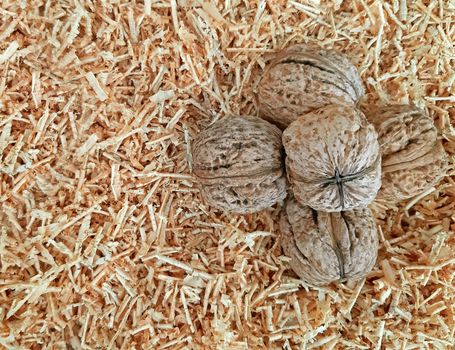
point(301, 79)
point(328, 247)
point(239, 163)
point(412, 158)
point(333, 161)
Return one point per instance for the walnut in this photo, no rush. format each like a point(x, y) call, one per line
point(327, 247)
point(238, 162)
point(412, 157)
point(333, 161)
point(301, 79)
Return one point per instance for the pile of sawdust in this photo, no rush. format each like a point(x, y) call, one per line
point(104, 240)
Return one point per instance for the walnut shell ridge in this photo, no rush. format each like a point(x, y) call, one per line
point(328, 247)
point(412, 157)
point(239, 164)
point(333, 161)
point(301, 79)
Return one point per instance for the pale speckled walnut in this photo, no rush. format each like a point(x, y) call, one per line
point(301, 79)
point(333, 161)
point(328, 247)
point(412, 158)
point(239, 163)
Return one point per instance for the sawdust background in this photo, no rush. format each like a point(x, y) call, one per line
point(104, 239)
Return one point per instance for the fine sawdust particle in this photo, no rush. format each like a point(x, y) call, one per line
point(105, 242)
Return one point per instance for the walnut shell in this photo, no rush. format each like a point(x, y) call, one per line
point(328, 247)
point(238, 162)
point(333, 161)
point(301, 79)
point(412, 157)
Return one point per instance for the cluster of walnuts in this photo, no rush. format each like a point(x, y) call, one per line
point(330, 161)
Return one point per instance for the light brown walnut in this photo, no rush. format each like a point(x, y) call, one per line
point(301, 79)
point(412, 157)
point(238, 162)
point(333, 161)
point(328, 247)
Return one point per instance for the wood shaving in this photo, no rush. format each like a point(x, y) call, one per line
point(105, 241)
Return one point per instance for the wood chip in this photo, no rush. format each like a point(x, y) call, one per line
point(105, 241)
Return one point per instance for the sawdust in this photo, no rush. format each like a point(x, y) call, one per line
point(104, 240)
